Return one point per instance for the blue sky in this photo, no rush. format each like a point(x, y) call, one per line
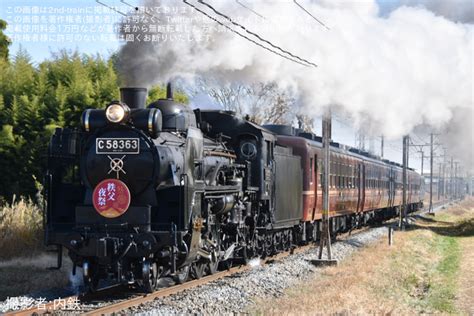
point(13, 12)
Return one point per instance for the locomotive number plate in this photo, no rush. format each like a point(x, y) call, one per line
point(117, 146)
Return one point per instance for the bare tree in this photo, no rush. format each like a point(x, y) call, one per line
point(269, 104)
point(305, 122)
point(228, 95)
point(260, 102)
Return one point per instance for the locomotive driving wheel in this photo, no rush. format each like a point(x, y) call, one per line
point(182, 275)
point(260, 246)
point(150, 276)
point(90, 277)
point(269, 245)
point(197, 270)
point(213, 264)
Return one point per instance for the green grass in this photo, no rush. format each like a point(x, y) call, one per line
point(424, 271)
point(433, 287)
point(442, 295)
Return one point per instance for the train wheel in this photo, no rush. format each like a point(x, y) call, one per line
point(260, 246)
point(286, 240)
point(91, 277)
point(213, 265)
point(182, 275)
point(269, 247)
point(149, 277)
point(245, 255)
point(226, 264)
point(197, 270)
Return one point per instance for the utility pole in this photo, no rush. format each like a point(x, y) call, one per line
point(439, 181)
point(325, 240)
point(456, 186)
point(444, 175)
point(430, 210)
point(381, 146)
point(422, 160)
point(403, 211)
point(451, 190)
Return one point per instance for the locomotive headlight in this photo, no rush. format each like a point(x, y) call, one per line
point(117, 113)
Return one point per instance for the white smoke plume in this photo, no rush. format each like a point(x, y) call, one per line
point(412, 67)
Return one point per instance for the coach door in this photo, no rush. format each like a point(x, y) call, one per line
point(314, 175)
point(391, 187)
point(360, 187)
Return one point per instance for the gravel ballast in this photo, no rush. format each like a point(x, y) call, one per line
point(236, 293)
point(225, 296)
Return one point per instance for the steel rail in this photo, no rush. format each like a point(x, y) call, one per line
point(120, 306)
point(55, 305)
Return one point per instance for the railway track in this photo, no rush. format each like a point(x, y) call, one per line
point(136, 300)
point(62, 303)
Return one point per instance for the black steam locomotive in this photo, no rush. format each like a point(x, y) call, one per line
point(145, 192)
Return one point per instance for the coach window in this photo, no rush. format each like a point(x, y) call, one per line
point(367, 176)
point(341, 175)
point(351, 182)
point(311, 170)
point(334, 172)
point(344, 179)
point(346, 176)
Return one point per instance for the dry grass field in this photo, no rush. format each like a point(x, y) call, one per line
point(428, 269)
point(21, 229)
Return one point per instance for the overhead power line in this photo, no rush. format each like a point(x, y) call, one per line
point(243, 36)
point(248, 8)
point(309, 13)
point(256, 35)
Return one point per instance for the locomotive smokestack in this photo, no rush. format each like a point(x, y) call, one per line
point(169, 91)
point(135, 98)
